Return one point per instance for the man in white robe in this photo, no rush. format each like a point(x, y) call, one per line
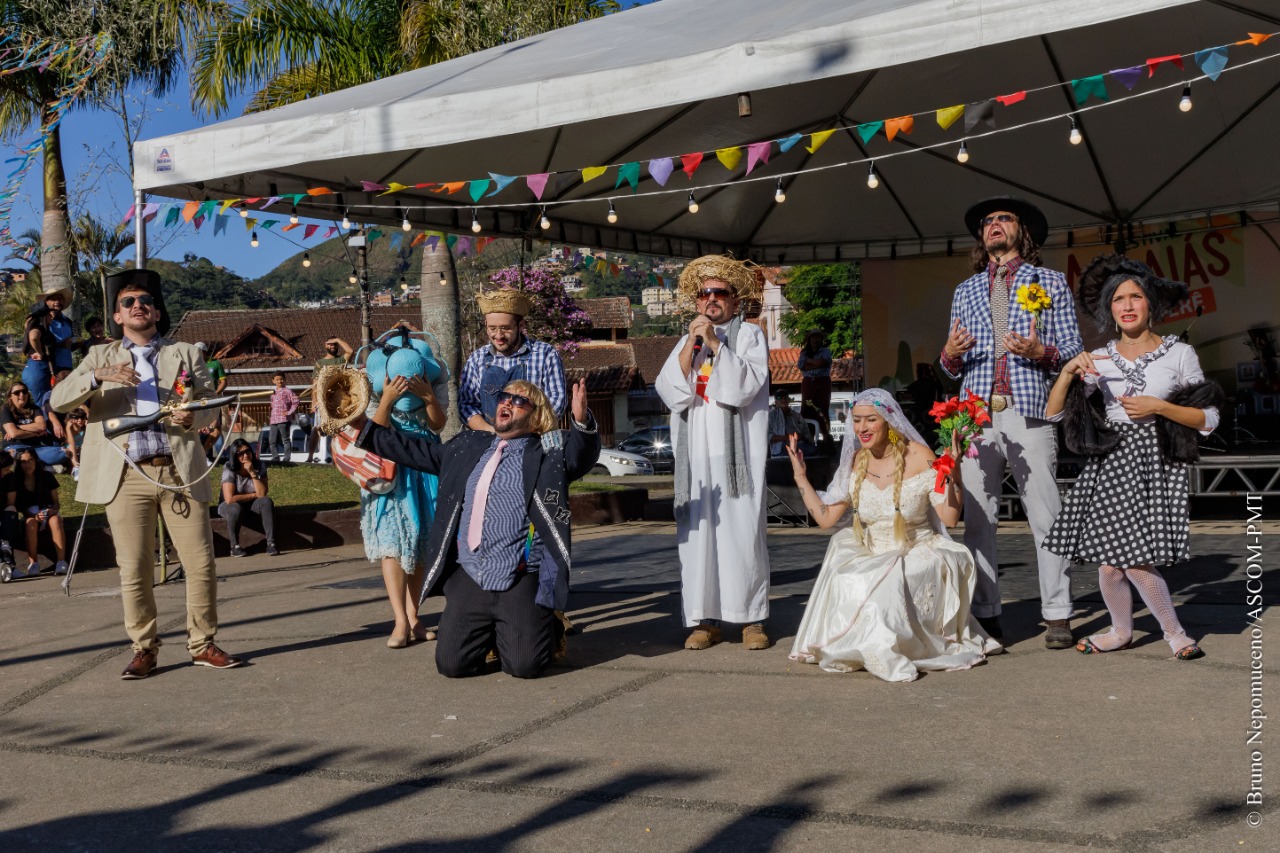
point(717, 391)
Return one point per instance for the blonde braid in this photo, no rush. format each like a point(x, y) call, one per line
point(860, 462)
point(899, 523)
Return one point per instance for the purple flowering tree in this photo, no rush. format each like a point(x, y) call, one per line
point(555, 318)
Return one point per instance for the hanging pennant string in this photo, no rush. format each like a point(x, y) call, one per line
point(79, 61)
point(1085, 89)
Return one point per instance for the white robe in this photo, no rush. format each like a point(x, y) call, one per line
point(724, 561)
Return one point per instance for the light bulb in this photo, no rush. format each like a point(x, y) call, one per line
point(352, 278)
point(779, 195)
point(444, 280)
point(475, 222)
point(346, 221)
point(306, 259)
point(872, 180)
point(693, 204)
point(404, 285)
point(244, 212)
point(962, 156)
point(544, 222)
point(1185, 103)
point(1076, 136)
point(404, 225)
point(293, 216)
point(613, 214)
point(253, 241)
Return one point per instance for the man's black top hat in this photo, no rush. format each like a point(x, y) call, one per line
point(1031, 217)
point(148, 280)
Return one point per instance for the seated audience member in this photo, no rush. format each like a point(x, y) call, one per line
point(500, 548)
point(52, 418)
point(9, 527)
point(33, 494)
point(24, 425)
point(244, 491)
point(76, 420)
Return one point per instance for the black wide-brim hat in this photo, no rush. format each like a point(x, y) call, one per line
point(1031, 217)
point(148, 280)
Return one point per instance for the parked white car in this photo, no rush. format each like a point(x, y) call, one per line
point(620, 463)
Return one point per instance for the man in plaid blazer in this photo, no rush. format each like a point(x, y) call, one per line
point(1002, 351)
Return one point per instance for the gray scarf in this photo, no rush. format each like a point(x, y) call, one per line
point(739, 473)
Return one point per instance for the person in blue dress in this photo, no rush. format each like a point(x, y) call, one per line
point(395, 525)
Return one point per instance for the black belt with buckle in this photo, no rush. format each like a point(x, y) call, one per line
point(156, 461)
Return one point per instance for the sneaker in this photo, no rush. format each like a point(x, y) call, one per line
point(272, 550)
point(216, 658)
point(703, 637)
point(60, 567)
point(140, 667)
point(754, 638)
point(1057, 634)
point(33, 569)
point(237, 551)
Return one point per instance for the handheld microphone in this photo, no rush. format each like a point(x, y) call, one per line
point(697, 345)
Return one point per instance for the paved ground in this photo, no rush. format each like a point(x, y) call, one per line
point(330, 741)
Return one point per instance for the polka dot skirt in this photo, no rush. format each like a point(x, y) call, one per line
point(1128, 508)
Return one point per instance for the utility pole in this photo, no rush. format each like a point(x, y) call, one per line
point(360, 243)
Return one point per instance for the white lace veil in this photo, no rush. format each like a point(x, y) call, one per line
point(889, 409)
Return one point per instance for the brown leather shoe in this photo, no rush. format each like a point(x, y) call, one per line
point(140, 667)
point(215, 657)
point(754, 638)
point(1057, 634)
point(703, 637)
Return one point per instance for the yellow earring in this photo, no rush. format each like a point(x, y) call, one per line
point(894, 438)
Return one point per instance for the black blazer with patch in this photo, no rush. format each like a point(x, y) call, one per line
point(548, 470)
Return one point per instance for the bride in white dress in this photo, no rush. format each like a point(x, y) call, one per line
point(894, 592)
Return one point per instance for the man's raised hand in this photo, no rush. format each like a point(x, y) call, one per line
point(579, 404)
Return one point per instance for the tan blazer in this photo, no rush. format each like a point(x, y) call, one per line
point(101, 468)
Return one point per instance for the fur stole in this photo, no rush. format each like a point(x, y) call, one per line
point(1088, 433)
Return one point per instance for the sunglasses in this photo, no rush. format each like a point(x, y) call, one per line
point(145, 300)
point(75, 417)
point(718, 292)
point(514, 399)
point(999, 217)
point(244, 452)
point(16, 391)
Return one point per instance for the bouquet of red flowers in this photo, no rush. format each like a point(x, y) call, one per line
point(960, 424)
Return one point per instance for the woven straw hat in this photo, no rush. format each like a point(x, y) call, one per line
point(505, 301)
point(746, 282)
point(342, 395)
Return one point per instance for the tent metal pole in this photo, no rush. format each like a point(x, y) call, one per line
point(139, 231)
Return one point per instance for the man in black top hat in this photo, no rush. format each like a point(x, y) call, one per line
point(1013, 325)
point(160, 469)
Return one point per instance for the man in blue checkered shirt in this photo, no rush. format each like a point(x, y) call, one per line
point(510, 356)
point(1001, 350)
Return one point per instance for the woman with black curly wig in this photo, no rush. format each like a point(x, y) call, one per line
point(1135, 412)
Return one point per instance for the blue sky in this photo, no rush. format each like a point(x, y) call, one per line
point(93, 142)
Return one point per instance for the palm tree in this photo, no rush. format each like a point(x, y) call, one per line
point(285, 51)
point(98, 246)
point(142, 40)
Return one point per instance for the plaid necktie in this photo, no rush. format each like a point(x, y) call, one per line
point(1000, 310)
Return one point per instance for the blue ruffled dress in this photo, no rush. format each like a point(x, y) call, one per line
point(396, 524)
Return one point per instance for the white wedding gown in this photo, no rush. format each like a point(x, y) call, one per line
point(889, 609)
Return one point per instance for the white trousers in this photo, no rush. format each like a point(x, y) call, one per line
point(1030, 448)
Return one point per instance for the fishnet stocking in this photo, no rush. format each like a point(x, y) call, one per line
point(1118, 597)
point(1119, 600)
point(1155, 594)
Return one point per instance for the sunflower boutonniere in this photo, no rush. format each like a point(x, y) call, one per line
point(1034, 298)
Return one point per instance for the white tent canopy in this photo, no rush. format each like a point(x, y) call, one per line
point(662, 80)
